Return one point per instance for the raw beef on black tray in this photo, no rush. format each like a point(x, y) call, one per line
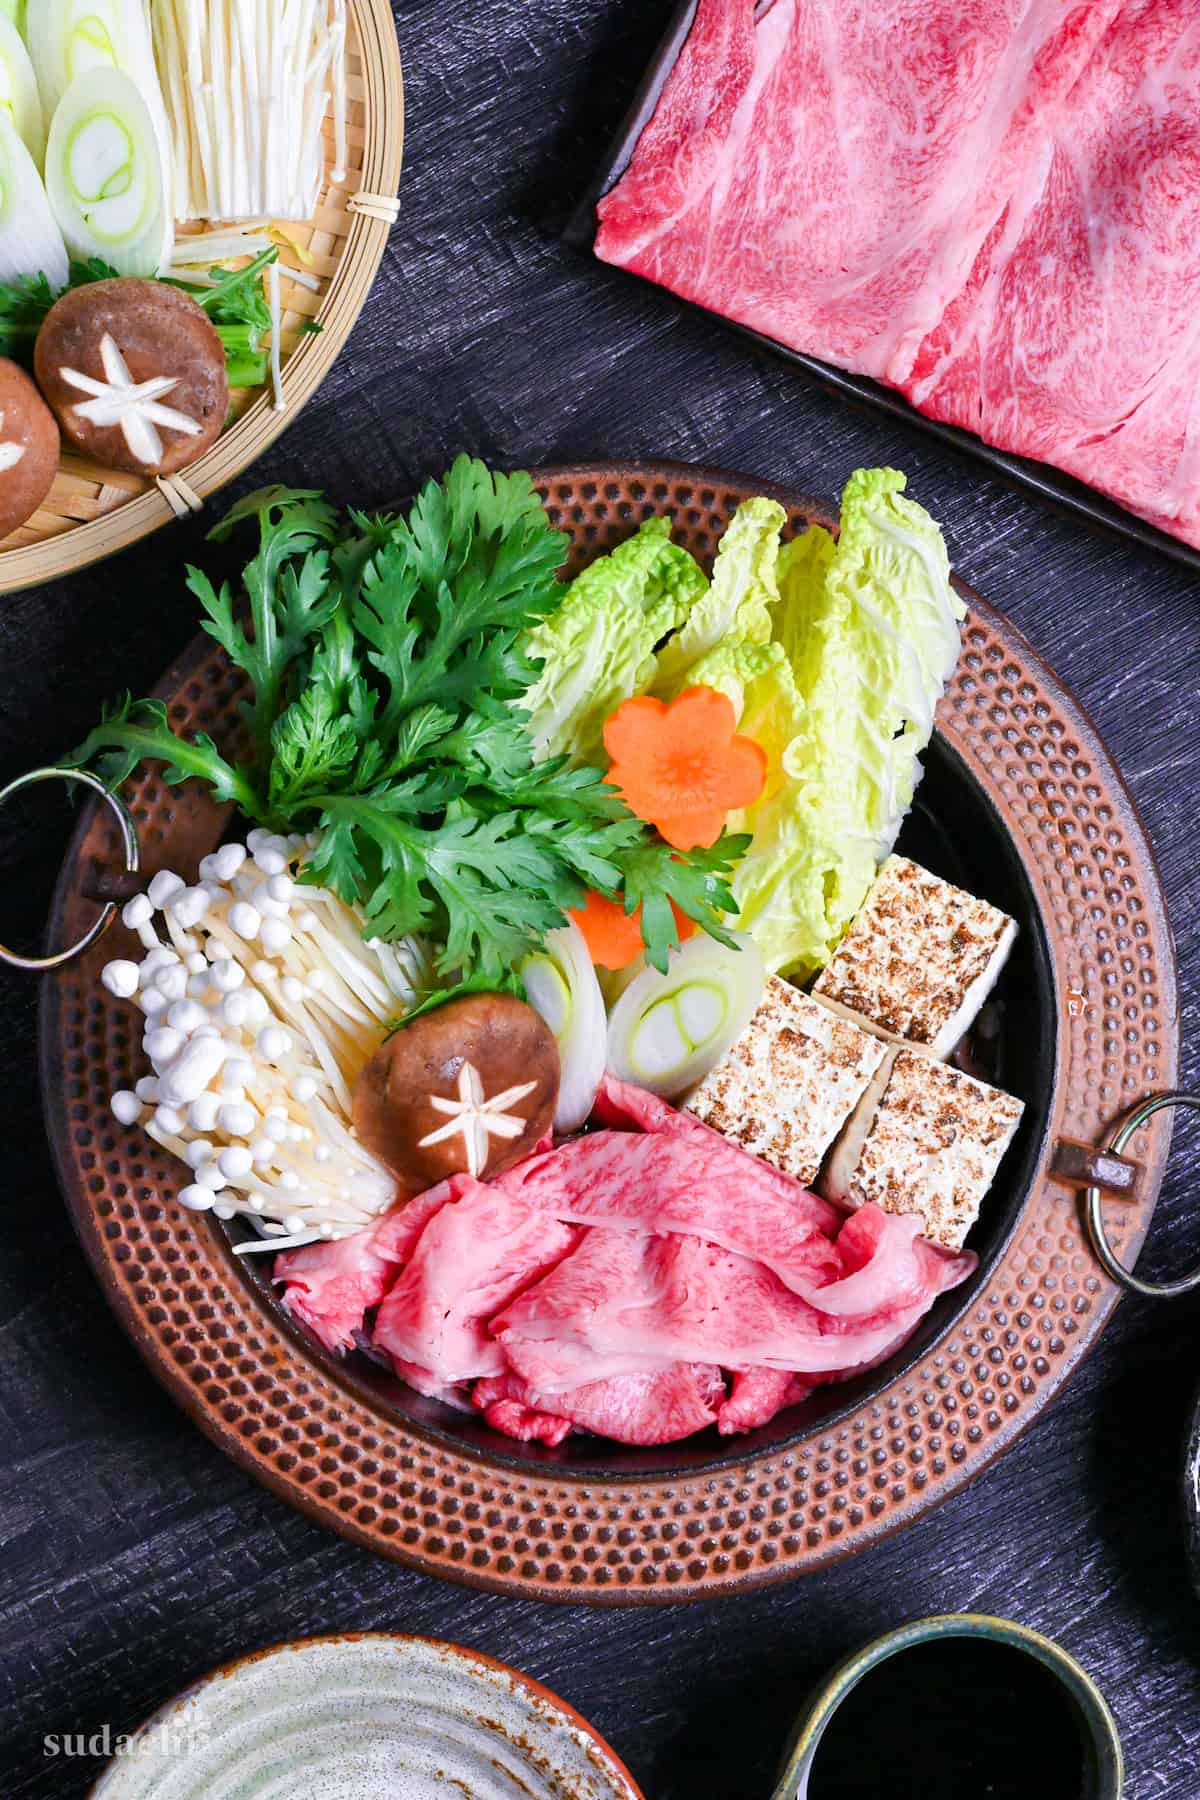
point(992, 205)
point(1077, 337)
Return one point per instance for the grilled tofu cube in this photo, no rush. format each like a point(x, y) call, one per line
point(920, 959)
point(789, 1083)
point(925, 1139)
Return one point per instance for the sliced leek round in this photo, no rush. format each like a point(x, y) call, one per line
point(561, 985)
point(19, 96)
point(105, 174)
point(30, 240)
point(67, 38)
point(667, 1031)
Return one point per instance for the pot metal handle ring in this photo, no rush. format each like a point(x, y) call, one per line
point(108, 907)
point(1094, 1211)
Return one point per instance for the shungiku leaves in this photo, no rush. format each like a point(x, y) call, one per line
point(385, 664)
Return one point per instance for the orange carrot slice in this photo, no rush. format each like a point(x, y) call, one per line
point(613, 936)
point(681, 766)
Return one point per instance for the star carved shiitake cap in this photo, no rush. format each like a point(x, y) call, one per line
point(476, 1118)
point(135, 407)
point(467, 1089)
point(135, 372)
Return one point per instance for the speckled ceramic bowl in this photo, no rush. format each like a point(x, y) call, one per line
point(1102, 1744)
point(366, 1717)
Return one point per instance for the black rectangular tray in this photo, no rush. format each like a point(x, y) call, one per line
point(1040, 478)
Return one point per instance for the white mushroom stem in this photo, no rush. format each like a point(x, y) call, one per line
point(276, 304)
point(260, 1014)
point(247, 84)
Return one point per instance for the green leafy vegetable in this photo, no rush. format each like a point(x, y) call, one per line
point(734, 669)
point(598, 647)
point(134, 729)
point(25, 303)
point(508, 983)
point(695, 880)
point(238, 308)
point(387, 659)
point(287, 599)
point(870, 627)
point(737, 607)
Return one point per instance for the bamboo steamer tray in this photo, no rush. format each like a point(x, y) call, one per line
point(1030, 811)
point(92, 511)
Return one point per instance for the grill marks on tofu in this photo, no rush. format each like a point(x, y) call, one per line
point(920, 959)
point(789, 1083)
point(862, 1057)
point(933, 1146)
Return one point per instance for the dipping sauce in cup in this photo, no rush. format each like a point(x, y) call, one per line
point(955, 1707)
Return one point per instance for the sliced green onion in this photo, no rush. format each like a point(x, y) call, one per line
point(667, 1031)
point(561, 985)
point(19, 96)
point(30, 240)
point(105, 176)
point(245, 368)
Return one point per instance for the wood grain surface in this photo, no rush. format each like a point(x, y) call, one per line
point(132, 1556)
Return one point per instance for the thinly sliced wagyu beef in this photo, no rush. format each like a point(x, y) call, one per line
point(473, 1257)
point(643, 1282)
point(655, 1406)
point(1077, 336)
point(826, 173)
point(332, 1286)
point(993, 205)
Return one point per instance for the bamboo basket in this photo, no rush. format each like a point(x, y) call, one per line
point(92, 511)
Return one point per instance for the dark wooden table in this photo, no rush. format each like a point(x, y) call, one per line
point(132, 1555)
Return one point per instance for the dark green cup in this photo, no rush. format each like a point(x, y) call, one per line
point(1105, 1770)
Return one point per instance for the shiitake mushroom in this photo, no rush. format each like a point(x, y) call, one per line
point(99, 347)
point(29, 447)
point(468, 1088)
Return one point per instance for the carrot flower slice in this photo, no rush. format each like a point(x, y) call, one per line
point(681, 766)
point(613, 936)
